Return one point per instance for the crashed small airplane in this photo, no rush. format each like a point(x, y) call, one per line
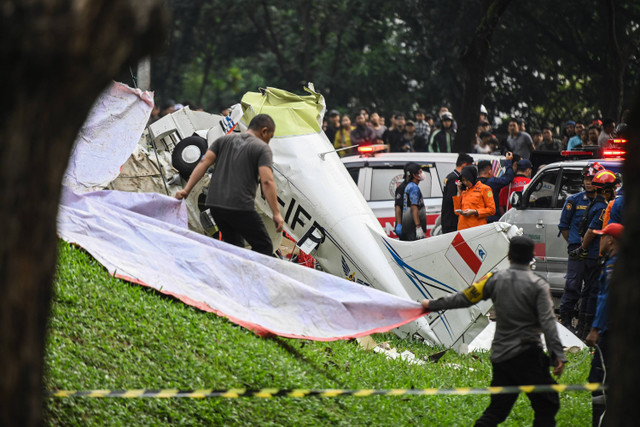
point(328, 217)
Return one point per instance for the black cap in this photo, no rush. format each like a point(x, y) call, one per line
point(521, 249)
point(412, 168)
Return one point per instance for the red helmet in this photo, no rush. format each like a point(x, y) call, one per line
point(605, 179)
point(592, 169)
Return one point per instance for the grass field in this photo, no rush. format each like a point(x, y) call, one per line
point(108, 334)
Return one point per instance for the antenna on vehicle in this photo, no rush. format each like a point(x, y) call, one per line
point(321, 155)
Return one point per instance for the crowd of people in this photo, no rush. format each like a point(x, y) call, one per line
point(425, 132)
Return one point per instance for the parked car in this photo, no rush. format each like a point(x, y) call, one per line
point(379, 174)
point(537, 211)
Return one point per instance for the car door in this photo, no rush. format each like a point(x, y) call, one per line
point(536, 212)
point(556, 246)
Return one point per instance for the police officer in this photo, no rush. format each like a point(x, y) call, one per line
point(448, 218)
point(577, 268)
point(609, 246)
point(523, 306)
point(604, 182)
point(414, 214)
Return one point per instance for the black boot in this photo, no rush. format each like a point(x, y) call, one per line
point(581, 326)
point(588, 321)
point(566, 320)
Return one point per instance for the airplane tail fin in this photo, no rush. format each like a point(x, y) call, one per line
point(442, 265)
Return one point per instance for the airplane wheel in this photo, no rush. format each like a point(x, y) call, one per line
point(187, 154)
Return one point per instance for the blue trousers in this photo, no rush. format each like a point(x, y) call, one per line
point(581, 282)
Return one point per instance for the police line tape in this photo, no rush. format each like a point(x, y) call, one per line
point(299, 393)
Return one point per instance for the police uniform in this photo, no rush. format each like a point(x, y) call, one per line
point(572, 213)
point(478, 197)
point(601, 323)
point(595, 218)
point(524, 309)
point(616, 210)
point(412, 197)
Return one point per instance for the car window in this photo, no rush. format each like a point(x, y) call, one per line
point(571, 184)
point(541, 195)
point(384, 182)
point(355, 173)
point(444, 169)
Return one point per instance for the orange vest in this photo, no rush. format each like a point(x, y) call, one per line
point(478, 197)
point(607, 213)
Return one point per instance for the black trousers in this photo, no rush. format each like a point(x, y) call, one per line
point(527, 368)
point(238, 226)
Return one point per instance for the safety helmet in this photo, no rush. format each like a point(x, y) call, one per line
point(592, 170)
point(605, 179)
point(483, 110)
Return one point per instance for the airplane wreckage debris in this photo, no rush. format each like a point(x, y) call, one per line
point(324, 212)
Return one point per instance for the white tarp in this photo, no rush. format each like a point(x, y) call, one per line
point(485, 338)
point(108, 137)
point(144, 238)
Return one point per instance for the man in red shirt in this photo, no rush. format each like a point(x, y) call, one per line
point(522, 178)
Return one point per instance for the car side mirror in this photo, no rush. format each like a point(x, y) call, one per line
point(516, 199)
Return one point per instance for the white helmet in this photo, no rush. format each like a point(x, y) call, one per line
point(483, 110)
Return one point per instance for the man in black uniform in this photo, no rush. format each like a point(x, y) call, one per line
point(448, 218)
point(523, 306)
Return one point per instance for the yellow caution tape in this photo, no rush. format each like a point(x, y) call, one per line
point(266, 393)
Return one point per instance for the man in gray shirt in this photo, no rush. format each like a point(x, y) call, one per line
point(240, 160)
point(520, 143)
point(523, 306)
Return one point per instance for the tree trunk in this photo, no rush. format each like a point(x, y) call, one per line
point(623, 372)
point(57, 56)
point(614, 73)
point(473, 60)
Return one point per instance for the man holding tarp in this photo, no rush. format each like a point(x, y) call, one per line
point(523, 307)
point(240, 160)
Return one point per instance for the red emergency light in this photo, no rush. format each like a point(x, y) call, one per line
point(575, 153)
point(371, 149)
point(612, 152)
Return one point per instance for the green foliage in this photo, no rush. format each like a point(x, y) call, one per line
point(107, 334)
point(389, 56)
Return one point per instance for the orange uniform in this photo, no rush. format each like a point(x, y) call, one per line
point(478, 197)
point(607, 214)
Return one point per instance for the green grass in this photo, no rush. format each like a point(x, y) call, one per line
point(108, 334)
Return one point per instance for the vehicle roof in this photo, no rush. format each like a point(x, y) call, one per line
point(611, 164)
point(416, 157)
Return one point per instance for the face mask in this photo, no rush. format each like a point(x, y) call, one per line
point(422, 176)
